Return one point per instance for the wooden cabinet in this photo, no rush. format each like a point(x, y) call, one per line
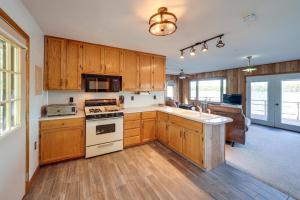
point(61, 140)
point(162, 132)
point(149, 130)
point(112, 61)
point(72, 72)
point(159, 73)
point(132, 129)
point(193, 146)
point(175, 137)
point(92, 59)
point(148, 126)
point(66, 60)
point(55, 61)
point(145, 75)
point(130, 71)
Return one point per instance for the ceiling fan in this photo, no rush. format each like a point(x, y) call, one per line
point(182, 75)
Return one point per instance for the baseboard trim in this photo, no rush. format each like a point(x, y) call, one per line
point(29, 183)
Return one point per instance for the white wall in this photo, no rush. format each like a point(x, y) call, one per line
point(12, 146)
point(55, 97)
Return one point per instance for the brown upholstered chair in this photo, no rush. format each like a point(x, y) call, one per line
point(236, 130)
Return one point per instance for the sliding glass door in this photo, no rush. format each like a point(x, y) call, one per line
point(274, 100)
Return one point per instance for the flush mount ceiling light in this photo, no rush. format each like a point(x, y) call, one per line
point(162, 23)
point(192, 51)
point(249, 67)
point(204, 48)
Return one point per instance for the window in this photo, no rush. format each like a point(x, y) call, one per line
point(10, 80)
point(170, 91)
point(208, 90)
point(193, 90)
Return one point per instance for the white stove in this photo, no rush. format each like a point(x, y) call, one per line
point(104, 127)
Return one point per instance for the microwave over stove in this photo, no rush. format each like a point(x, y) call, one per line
point(102, 83)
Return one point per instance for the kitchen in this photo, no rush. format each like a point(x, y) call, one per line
point(85, 107)
point(103, 99)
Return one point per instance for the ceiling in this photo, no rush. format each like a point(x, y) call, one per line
point(272, 37)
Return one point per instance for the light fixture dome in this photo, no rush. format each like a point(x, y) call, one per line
point(162, 23)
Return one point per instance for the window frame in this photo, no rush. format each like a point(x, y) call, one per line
point(208, 79)
point(12, 87)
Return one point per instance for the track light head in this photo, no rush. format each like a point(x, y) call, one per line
point(204, 47)
point(181, 55)
point(220, 43)
point(192, 51)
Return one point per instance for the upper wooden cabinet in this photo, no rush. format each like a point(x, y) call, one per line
point(145, 67)
point(73, 66)
point(55, 61)
point(130, 71)
point(66, 60)
point(159, 73)
point(92, 59)
point(112, 61)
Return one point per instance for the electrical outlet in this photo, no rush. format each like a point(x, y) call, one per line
point(35, 145)
point(132, 98)
point(154, 97)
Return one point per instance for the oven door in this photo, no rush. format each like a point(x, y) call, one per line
point(103, 131)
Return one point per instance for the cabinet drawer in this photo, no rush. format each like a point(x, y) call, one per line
point(149, 115)
point(189, 124)
point(61, 123)
point(132, 132)
point(132, 124)
point(132, 116)
point(162, 116)
point(132, 141)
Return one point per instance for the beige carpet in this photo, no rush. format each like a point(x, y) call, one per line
point(271, 155)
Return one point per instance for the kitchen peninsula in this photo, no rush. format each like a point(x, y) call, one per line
point(199, 137)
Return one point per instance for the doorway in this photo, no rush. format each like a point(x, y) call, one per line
point(274, 100)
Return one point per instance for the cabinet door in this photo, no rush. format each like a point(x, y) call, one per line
point(130, 71)
point(72, 72)
point(55, 61)
point(162, 131)
point(112, 58)
point(193, 146)
point(175, 137)
point(61, 144)
point(159, 74)
point(92, 59)
point(148, 130)
point(145, 62)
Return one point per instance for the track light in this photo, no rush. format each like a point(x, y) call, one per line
point(181, 55)
point(192, 51)
point(220, 43)
point(204, 47)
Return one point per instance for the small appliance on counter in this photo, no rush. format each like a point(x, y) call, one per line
point(60, 109)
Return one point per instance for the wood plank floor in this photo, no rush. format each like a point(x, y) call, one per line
point(149, 171)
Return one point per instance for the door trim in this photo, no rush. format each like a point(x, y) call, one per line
point(19, 30)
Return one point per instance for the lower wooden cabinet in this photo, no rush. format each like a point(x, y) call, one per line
point(149, 130)
point(192, 146)
point(162, 132)
point(175, 137)
point(61, 140)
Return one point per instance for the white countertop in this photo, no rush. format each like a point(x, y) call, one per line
point(188, 114)
point(79, 114)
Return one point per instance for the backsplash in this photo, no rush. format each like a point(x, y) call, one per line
point(57, 97)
